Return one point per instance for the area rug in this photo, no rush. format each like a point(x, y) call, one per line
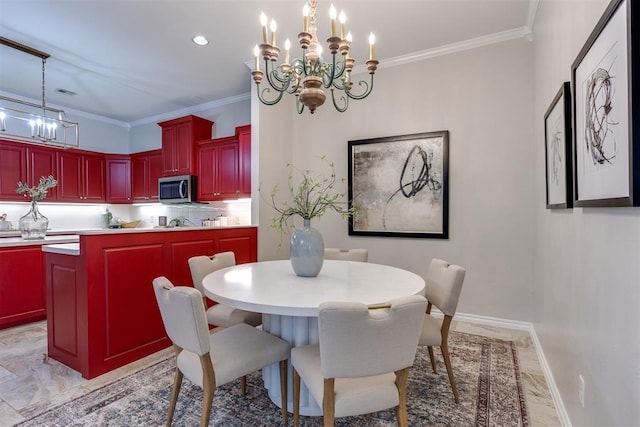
point(486, 371)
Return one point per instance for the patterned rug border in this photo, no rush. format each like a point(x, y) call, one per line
point(167, 365)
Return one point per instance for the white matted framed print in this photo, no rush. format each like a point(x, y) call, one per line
point(399, 186)
point(557, 148)
point(606, 131)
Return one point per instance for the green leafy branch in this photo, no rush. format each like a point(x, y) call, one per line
point(314, 196)
point(38, 192)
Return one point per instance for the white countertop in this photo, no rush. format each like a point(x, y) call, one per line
point(18, 241)
point(63, 248)
point(155, 229)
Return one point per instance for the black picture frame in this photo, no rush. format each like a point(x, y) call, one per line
point(557, 149)
point(606, 111)
point(399, 186)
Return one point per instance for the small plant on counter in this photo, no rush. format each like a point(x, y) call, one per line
point(38, 192)
point(312, 197)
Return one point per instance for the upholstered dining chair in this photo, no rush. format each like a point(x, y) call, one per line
point(361, 364)
point(211, 360)
point(361, 255)
point(443, 285)
point(219, 314)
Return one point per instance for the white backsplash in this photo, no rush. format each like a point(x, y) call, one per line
point(74, 216)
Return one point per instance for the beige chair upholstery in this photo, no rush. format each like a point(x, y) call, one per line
point(442, 289)
point(220, 314)
point(210, 360)
point(361, 255)
point(362, 361)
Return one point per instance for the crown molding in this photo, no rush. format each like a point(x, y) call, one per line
point(192, 110)
point(516, 33)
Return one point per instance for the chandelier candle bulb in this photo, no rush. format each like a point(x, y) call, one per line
point(274, 27)
point(343, 26)
point(287, 47)
point(256, 52)
point(305, 18)
point(332, 15)
point(263, 22)
point(372, 40)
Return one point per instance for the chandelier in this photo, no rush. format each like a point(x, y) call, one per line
point(307, 77)
point(31, 122)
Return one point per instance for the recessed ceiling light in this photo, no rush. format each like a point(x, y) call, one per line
point(200, 40)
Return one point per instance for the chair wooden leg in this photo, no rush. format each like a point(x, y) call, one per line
point(329, 402)
point(283, 391)
point(447, 361)
point(243, 385)
point(402, 377)
point(209, 385)
point(296, 398)
point(433, 360)
point(177, 383)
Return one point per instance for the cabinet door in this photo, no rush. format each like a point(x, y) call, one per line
point(244, 160)
point(70, 185)
point(169, 146)
point(139, 177)
point(155, 172)
point(22, 291)
point(207, 165)
point(227, 168)
point(183, 155)
point(118, 179)
point(13, 168)
point(94, 178)
point(42, 162)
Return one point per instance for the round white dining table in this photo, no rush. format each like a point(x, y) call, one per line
point(289, 303)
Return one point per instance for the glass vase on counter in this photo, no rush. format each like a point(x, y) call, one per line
point(33, 225)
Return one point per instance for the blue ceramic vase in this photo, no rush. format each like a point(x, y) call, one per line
point(307, 250)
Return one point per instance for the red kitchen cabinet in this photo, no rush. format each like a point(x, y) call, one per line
point(118, 178)
point(218, 169)
point(13, 168)
point(81, 177)
point(178, 144)
point(42, 162)
point(244, 159)
point(22, 290)
point(146, 168)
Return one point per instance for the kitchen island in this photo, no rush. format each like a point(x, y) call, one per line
point(101, 309)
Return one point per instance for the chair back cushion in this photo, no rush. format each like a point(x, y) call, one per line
point(358, 342)
point(183, 315)
point(443, 285)
point(202, 265)
point(361, 255)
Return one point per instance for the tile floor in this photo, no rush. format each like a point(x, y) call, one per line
point(31, 383)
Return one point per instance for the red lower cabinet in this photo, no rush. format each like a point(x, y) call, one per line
point(22, 293)
point(102, 312)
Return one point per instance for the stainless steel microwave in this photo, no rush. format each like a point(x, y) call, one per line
point(177, 189)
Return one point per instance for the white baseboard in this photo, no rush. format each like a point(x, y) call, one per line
point(521, 326)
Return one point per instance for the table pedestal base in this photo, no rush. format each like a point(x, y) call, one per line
point(297, 331)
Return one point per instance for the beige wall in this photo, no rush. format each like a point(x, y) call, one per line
point(587, 260)
point(483, 97)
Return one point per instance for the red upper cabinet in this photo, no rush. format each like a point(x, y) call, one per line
point(13, 168)
point(146, 168)
point(244, 159)
point(178, 144)
point(218, 169)
point(41, 161)
point(118, 178)
point(81, 177)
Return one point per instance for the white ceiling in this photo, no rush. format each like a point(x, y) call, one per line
point(133, 59)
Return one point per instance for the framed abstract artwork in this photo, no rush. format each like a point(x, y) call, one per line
point(557, 148)
point(606, 123)
point(399, 186)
